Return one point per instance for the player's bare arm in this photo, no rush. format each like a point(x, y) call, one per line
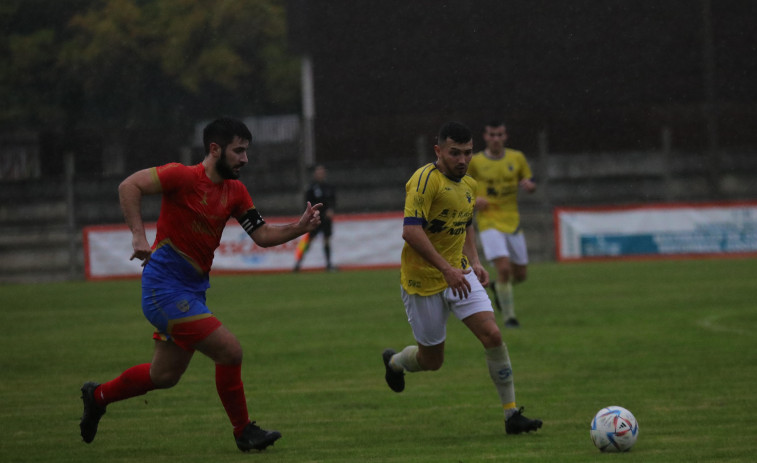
point(471, 252)
point(481, 203)
point(528, 185)
point(130, 193)
point(455, 277)
point(272, 235)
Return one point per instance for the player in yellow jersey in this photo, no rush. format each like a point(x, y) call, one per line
point(441, 273)
point(500, 173)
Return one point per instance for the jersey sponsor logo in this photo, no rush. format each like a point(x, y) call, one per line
point(458, 228)
point(414, 283)
point(439, 226)
point(436, 226)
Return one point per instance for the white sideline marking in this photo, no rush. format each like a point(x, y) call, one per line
point(710, 324)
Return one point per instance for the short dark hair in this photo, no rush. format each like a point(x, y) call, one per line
point(222, 131)
point(495, 123)
point(459, 133)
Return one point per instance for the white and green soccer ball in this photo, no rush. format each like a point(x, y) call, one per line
point(614, 429)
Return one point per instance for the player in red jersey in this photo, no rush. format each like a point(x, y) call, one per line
point(197, 201)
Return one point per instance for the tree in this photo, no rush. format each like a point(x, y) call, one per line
point(31, 83)
point(144, 63)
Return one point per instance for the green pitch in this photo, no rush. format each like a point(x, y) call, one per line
point(675, 342)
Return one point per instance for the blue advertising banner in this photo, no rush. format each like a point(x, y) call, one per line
point(659, 230)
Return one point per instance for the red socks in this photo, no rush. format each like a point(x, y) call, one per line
point(136, 381)
point(231, 391)
point(132, 382)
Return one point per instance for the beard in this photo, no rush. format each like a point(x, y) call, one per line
point(224, 169)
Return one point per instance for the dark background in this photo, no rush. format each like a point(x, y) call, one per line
point(595, 75)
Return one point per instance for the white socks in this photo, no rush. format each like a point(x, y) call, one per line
point(498, 361)
point(505, 298)
point(406, 360)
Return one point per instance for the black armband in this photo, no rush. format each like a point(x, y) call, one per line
point(251, 221)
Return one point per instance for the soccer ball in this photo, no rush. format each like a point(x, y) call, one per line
point(614, 429)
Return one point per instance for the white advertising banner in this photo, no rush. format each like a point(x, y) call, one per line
point(358, 241)
point(659, 230)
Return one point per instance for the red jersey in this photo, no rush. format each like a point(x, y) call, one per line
point(194, 211)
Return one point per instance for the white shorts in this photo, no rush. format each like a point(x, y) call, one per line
point(497, 244)
point(427, 315)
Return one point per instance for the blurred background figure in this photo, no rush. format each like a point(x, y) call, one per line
point(323, 192)
point(500, 173)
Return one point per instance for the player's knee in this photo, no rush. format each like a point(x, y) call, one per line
point(432, 365)
point(223, 348)
point(519, 274)
point(491, 336)
point(430, 362)
point(165, 379)
point(504, 274)
point(231, 356)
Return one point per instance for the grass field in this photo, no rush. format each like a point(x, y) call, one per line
point(673, 341)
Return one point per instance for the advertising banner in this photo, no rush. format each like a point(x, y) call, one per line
point(656, 230)
point(358, 241)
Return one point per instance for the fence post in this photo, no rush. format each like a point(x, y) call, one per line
point(307, 156)
point(710, 107)
point(69, 174)
point(666, 137)
point(543, 179)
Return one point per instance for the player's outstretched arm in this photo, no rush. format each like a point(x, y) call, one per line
point(272, 235)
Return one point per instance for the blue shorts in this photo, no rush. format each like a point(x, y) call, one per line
point(173, 291)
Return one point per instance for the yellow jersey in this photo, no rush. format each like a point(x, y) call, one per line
point(444, 208)
point(498, 182)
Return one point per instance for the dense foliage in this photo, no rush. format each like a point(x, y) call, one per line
point(142, 63)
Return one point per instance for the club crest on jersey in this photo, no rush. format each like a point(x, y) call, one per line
point(183, 306)
point(468, 197)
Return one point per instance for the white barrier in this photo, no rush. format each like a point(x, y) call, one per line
point(656, 230)
point(358, 241)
